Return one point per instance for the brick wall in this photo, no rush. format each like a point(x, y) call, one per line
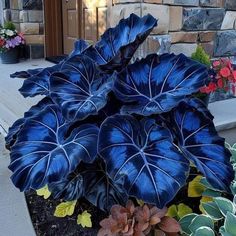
point(27, 15)
point(183, 24)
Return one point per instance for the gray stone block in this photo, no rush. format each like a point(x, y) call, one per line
point(212, 3)
point(23, 16)
point(35, 16)
point(15, 15)
point(230, 4)
point(203, 18)
point(225, 43)
point(182, 2)
point(36, 51)
point(7, 15)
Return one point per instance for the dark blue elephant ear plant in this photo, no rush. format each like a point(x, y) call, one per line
point(108, 130)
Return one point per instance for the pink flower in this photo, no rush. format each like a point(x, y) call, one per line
point(216, 63)
point(225, 72)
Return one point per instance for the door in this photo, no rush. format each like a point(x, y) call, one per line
point(85, 19)
point(71, 27)
point(94, 19)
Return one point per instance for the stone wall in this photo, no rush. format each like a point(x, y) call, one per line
point(183, 24)
point(27, 15)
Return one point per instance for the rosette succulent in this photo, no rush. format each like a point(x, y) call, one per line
point(108, 130)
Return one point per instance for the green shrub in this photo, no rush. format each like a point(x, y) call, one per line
point(201, 56)
point(9, 25)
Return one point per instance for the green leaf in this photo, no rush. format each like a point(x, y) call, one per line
point(183, 210)
point(230, 224)
point(179, 211)
point(199, 221)
point(204, 231)
point(172, 211)
point(204, 199)
point(186, 221)
point(212, 210)
point(84, 220)
point(140, 202)
point(211, 193)
point(204, 182)
point(195, 188)
point(44, 192)
point(65, 209)
point(223, 232)
point(225, 205)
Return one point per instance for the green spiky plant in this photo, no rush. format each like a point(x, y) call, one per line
point(201, 56)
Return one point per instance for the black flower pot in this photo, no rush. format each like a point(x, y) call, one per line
point(11, 56)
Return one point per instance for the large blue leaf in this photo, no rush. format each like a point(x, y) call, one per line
point(42, 154)
point(90, 181)
point(118, 45)
point(38, 79)
point(15, 128)
point(200, 142)
point(157, 84)
point(81, 90)
point(143, 154)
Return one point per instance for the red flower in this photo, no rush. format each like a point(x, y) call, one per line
point(2, 42)
point(220, 83)
point(212, 86)
point(225, 72)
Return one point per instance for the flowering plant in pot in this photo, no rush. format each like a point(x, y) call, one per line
point(109, 131)
point(10, 40)
point(223, 80)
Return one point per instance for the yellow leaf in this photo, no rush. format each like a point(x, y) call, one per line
point(65, 209)
point(183, 210)
point(44, 192)
point(195, 188)
point(172, 211)
point(203, 200)
point(140, 202)
point(84, 220)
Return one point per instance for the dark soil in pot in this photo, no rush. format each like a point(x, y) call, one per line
point(45, 224)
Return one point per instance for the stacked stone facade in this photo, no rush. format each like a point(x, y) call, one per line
point(183, 24)
point(27, 15)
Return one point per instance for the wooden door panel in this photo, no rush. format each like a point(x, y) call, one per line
point(85, 19)
point(101, 20)
point(96, 23)
point(70, 9)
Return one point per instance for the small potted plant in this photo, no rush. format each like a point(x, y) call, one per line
point(10, 40)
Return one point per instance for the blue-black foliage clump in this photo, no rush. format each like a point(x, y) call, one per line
point(108, 130)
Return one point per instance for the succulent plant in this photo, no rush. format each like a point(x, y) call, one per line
point(138, 221)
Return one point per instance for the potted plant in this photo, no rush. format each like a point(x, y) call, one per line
point(10, 40)
point(128, 138)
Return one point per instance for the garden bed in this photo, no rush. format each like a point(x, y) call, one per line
point(46, 224)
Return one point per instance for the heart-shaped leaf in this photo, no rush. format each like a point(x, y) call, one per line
point(142, 153)
point(42, 154)
point(15, 128)
point(230, 224)
point(38, 79)
point(200, 143)
point(199, 221)
point(81, 92)
point(206, 231)
point(186, 221)
point(156, 84)
point(117, 45)
point(90, 181)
